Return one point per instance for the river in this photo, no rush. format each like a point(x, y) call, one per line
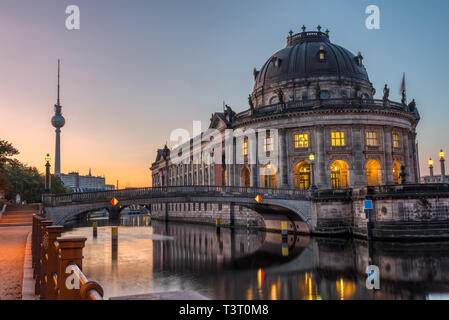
point(155, 256)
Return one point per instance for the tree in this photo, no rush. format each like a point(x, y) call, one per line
point(6, 150)
point(29, 183)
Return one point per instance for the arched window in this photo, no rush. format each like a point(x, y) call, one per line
point(396, 172)
point(269, 176)
point(339, 175)
point(274, 100)
point(301, 174)
point(245, 178)
point(373, 173)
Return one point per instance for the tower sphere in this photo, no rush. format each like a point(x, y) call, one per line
point(58, 121)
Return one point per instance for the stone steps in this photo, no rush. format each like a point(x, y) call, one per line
point(17, 216)
point(18, 224)
point(27, 207)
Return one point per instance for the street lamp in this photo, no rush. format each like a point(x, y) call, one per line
point(47, 173)
point(312, 162)
point(431, 169)
point(443, 171)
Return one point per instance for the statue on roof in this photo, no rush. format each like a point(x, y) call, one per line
point(386, 93)
point(412, 105)
point(250, 102)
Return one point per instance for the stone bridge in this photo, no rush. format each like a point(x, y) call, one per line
point(283, 203)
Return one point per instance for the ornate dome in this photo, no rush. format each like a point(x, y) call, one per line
point(310, 56)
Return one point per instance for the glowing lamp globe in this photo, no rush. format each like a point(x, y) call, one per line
point(47, 158)
point(441, 154)
point(430, 162)
point(312, 157)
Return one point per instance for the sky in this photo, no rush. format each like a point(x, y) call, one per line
point(138, 69)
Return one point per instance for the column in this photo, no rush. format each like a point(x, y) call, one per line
point(254, 149)
point(357, 176)
point(322, 181)
point(407, 163)
point(388, 153)
point(282, 156)
point(414, 158)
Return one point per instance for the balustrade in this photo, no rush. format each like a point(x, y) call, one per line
point(57, 263)
point(160, 192)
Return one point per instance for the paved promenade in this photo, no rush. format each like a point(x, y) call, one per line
point(15, 225)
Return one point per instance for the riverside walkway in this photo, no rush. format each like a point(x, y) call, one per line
point(15, 225)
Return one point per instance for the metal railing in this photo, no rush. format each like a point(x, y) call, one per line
point(159, 192)
point(57, 263)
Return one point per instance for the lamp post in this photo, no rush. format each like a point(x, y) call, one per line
point(47, 174)
point(443, 171)
point(312, 179)
point(431, 169)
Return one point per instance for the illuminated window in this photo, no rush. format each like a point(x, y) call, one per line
point(395, 140)
point(245, 148)
point(301, 140)
point(396, 172)
point(338, 138)
point(373, 173)
point(322, 57)
point(302, 175)
point(339, 175)
point(267, 146)
point(371, 138)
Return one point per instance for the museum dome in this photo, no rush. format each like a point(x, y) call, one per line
point(310, 56)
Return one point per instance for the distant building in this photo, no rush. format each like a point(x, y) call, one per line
point(77, 183)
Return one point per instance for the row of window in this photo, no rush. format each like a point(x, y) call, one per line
point(323, 95)
point(301, 140)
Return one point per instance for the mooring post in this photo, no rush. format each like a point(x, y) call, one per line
point(52, 264)
point(114, 242)
point(284, 228)
point(94, 226)
point(71, 252)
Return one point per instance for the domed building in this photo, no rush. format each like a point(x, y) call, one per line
point(314, 104)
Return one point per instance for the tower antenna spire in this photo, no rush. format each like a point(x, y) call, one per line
point(58, 103)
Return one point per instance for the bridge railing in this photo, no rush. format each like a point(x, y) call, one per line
point(140, 193)
point(57, 263)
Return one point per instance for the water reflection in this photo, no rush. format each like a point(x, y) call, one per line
point(156, 256)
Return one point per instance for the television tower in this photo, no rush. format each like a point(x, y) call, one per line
point(58, 122)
